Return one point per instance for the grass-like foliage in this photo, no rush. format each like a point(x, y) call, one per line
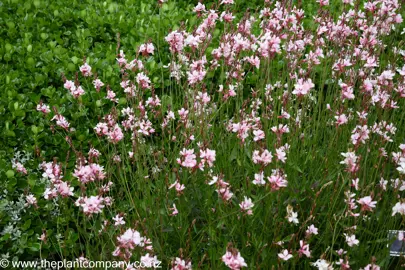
point(265, 135)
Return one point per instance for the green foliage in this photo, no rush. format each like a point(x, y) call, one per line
point(41, 41)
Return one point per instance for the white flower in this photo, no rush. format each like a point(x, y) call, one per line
point(351, 240)
point(291, 215)
point(323, 264)
point(285, 255)
point(401, 168)
point(119, 220)
point(398, 208)
point(259, 179)
point(312, 230)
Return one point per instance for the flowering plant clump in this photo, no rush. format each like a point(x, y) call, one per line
point(273, 137)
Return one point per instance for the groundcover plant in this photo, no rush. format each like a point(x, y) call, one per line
point(208, 135)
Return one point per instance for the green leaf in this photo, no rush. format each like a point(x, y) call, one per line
point(35, 247)
point(26, 225)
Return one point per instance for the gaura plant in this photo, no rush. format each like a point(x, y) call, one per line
point(275, 140)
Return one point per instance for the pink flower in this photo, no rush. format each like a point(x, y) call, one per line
point(183, 113)
point(174, 210)
point(153, 102)
point(386, 75)
point(20, 168)
point(227, 2)
point(119, 220)
point(199, 8)
point(367, 203)
point(90, 205)
point(259, 179)
point(115, 135)
point(121, 59)
point(341, 64)
point(31, 200)
point(351, 240)
point(269, 44)
point(101, 129)
point(227, 17)
point(350, 161)
point(246, 205)
point(176, 41)
point(86, 70)
point(233, 259)
point(355, 183)
point(264, 158)
point(130, 239)
point(43, 237)
point(77, 91)
point(281, 129)
point(304, 249)
point(341, 119)
point(179, 187)
point(107, 201)
point(360, 134)
point(43, 108)
point(281, 154)
point(188, 158)
point(399, 207)
point(94, 153)
point(242, 129)
point(347, 91)
point(312, 230)
point(106, 188)
point(98, 84)
point(323, 2)
point(149, 261)
point(61, 121)
point(277, 180)
point(196, 76)
point(111, 96)
point(180, 264)
point(207, 156)
point(146, 49)
point(145, 127)
point(254, 61)
point(351, 202)
point(89, 173)
point(259, 135)
point(341, 252)
point(124, 84)
point(231, 92)
point(50, 193)
point(225, 193)
point(69, 85)
point(52, 171)
point(143, 80)
point(372, 267)
point(64, 189)
point(204, 98)
point(302, 87)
